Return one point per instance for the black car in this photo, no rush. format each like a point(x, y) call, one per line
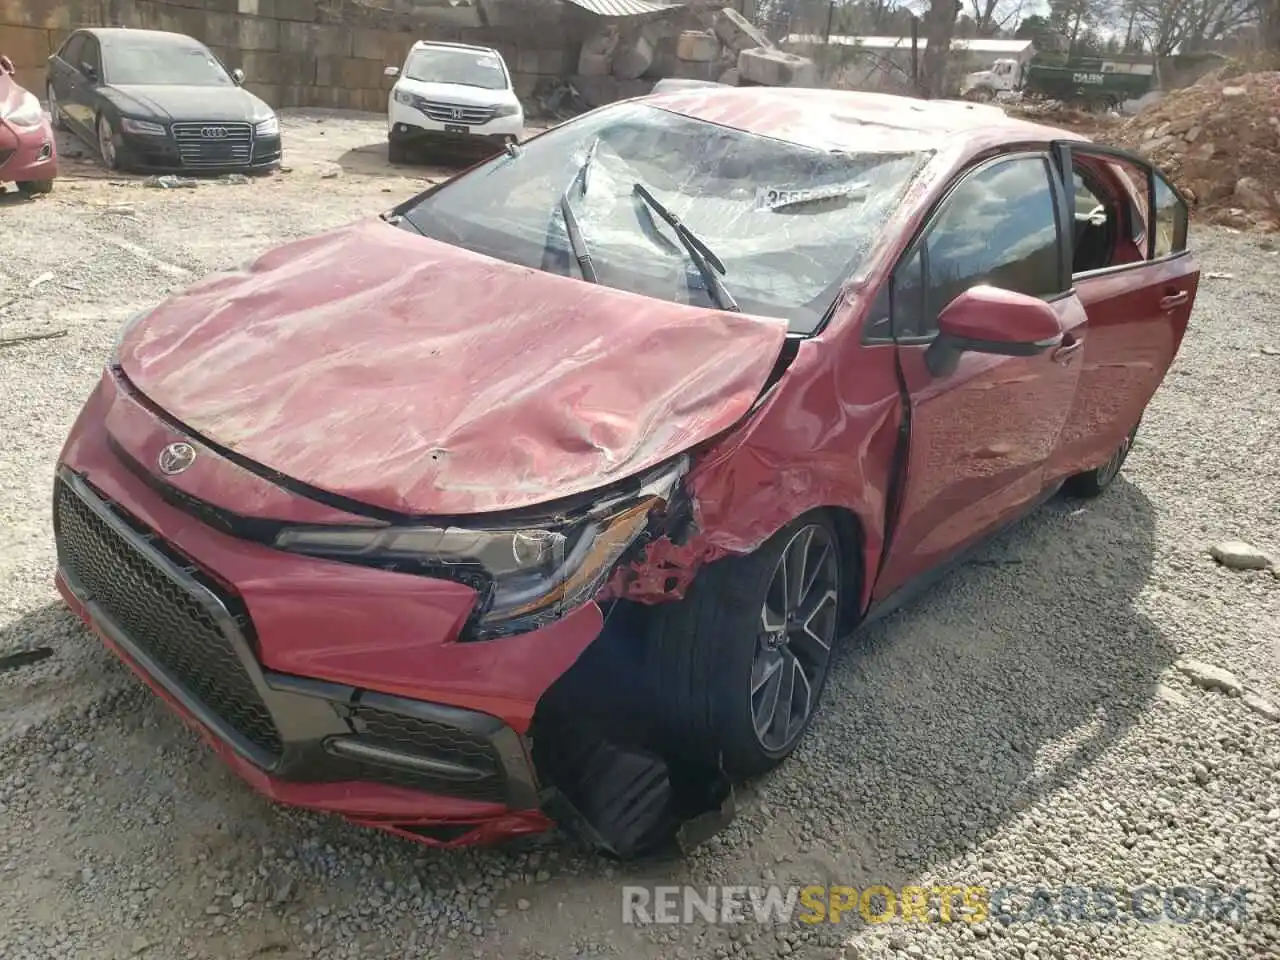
point(148, 99)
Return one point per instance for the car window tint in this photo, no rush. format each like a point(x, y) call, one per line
point(90, 57)
point(1171, 220)
point(73, 52)
point(1134, 178)
point(908, 299)
point(1086, 201)
point(998, 227)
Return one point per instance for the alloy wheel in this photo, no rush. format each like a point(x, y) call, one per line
point(106, 143)
point(798, 623)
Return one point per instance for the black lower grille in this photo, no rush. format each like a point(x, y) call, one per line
point(165, 620)
point(438, 741)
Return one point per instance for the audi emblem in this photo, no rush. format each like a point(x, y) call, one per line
point(175, 458)
point(213, 133)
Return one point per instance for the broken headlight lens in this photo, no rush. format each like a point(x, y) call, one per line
point(528, 573)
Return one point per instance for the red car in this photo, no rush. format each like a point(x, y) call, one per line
point(28, 155)
point(549, 492)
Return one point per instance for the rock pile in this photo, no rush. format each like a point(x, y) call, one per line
point(704, 43)
point(1219, 140)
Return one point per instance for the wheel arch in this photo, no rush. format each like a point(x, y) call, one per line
point(851, 539)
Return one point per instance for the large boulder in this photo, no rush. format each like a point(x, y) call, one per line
point(775, 68)
point(737, 32)
point(632, 57)
point(697, 46)
point(596, 57)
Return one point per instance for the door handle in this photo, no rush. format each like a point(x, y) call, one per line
point(1068, 350)
point(1173, 300)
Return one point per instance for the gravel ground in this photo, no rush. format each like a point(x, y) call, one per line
point(1032, 721)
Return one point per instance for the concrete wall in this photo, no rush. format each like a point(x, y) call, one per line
point(325, 53)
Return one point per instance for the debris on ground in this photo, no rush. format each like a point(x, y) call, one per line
point(1219, 141)
point(1208, 677)
point(170, 182)
point(23, 658)
point(26, 337)
point(1238, 555)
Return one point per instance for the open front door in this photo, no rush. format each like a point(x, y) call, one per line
point(1132, 273)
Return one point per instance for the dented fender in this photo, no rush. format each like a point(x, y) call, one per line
point(778, 464)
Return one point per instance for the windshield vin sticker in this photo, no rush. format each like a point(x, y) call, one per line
point(776, 198)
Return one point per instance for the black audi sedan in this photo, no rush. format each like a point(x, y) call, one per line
point(153, 100)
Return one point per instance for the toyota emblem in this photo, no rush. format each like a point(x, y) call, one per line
point(213, 133)
point(175, 458)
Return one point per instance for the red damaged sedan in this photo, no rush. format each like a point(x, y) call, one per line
point(28, 155)
point(545, 496)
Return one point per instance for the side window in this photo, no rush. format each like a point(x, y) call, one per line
point(1135, 180)
point(909, 318)
point(1170, 220)
point(998, 227)
point(73, 51)
point(91, 56)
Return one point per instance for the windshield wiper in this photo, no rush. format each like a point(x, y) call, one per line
point(702, 256)
point(577, 243)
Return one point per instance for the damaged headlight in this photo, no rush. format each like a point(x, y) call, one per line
point(527, 573)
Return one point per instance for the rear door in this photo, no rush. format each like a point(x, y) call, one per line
point(981, 436)
point(1136, 281)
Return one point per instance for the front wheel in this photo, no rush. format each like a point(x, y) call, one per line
point(107, 144)
point(743, 660)
point(397, 152)
point(1092, 483)
point(55, 110)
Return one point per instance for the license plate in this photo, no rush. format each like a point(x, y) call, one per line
point(456, 128)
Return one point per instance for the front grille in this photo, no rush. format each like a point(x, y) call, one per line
point(454, 112)
point(4, 156)
point(163, 619)
point(214, 144)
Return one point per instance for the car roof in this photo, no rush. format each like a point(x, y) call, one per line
point(855, 120)
point(109, 34)
point(424, 44)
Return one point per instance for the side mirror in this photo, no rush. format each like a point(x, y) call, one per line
point(238, 76)
point(90, 72)
point(391, 72)
point(990, 320)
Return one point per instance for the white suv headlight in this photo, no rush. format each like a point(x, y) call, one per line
point(269, 127)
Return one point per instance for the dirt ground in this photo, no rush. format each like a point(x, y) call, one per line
point(1032, 721)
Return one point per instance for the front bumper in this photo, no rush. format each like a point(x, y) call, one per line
point(460, 142)
point(27, 153)
point(162, 154)
point(325, 686)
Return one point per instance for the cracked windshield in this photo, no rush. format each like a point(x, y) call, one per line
point(648, 201)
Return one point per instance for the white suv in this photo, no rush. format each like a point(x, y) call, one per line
point(452, 93)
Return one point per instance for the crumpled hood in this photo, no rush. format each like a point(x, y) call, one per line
point(421, 378)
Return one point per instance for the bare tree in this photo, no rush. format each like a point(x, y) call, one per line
point(1185, 25)
point(990, 17)
point(939, 25)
